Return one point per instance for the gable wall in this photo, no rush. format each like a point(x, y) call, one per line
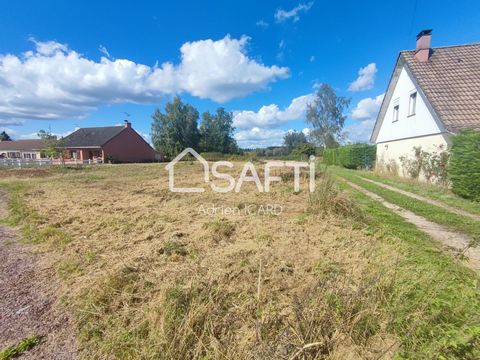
point(420, 124)
point(128, 146)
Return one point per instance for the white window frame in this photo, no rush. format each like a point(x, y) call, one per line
point(396, 110)
point(412, 109)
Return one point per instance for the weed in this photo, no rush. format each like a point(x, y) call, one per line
point(22, 347)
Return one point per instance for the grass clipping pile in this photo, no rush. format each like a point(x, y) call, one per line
point(149, 276)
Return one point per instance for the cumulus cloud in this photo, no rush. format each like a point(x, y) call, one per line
point(367, 108)
point(55, 82)
point(293, 14)
point(365, 79)
point(271, 115)
point(259, 137)
point(364, 115)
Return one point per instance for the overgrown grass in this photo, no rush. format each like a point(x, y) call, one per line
point(436, 192)
point(320, 280)
point(431, 212)
point(435, 300)
point(22, 347)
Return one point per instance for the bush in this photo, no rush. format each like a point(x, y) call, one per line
point(305, 149)
point(464, 169)
point(357, 156)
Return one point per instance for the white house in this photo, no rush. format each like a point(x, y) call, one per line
point(432, 93)
point(21, 149)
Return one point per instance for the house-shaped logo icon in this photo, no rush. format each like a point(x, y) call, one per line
point(171, 166)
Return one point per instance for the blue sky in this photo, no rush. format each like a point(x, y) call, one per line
point(261, 60)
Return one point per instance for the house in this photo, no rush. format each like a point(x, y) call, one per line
point(110, 143)
point(22, 149)
point(433, 93)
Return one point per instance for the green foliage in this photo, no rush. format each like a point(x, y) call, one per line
point(23, 346)
point(216, 132)
point(326, 115)
point(464, 169)
point(176, 129)
point(305, 149)
point(53, 145)
point(432, 165)
point(292, 139)
point(357, 156)
point(5, 137)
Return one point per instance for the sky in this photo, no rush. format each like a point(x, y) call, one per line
point(66, 64)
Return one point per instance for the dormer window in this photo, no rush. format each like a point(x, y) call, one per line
point(412, 103)
point(396, 109)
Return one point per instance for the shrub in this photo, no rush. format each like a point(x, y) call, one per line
point(432, 165)
point(305, 149)
point(464, 169)
point(357, 156)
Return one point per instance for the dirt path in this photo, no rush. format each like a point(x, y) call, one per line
point(27, 300)
point(447, 237)
point(426, 199)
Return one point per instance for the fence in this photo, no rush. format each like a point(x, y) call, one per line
point(46, 162)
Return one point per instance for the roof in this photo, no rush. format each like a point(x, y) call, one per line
point(91, 137)
point(22, 145)
point(450, 81)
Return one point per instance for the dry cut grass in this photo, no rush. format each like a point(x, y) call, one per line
point(150, 276)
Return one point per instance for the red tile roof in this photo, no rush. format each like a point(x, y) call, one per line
point(451, 82)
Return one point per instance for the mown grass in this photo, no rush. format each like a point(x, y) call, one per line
point(431, 212)
point(20, 348)
point(436, 192)
point(336, 275)
point(435, 300)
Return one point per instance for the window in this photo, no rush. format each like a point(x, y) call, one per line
point(412, 103)
point(396, 109)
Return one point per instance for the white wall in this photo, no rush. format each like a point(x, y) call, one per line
point(389, 153)
point(420, 124)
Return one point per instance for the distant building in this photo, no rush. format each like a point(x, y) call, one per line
point(21, 149)
point(433, 93)
point(110, 143)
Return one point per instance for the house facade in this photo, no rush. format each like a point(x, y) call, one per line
point(432, 94)
point(22, 149)
point(111, 143)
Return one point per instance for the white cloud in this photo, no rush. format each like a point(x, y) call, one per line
point(367, 108)
point(55, 82)
point(271, 115)
point(364, 114)
point(262, 23)
point(104, 51)
point(312, 58)
point(259, 137)
point(283, 15)
point(365, 79)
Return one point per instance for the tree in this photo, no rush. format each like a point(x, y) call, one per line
point(5, 137)
point(294, 138)
point(216, 132)
point(326, 115)
point(53, 145)
point(305, 149)
point(176, 129)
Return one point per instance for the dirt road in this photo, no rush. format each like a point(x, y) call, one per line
point(28, 303)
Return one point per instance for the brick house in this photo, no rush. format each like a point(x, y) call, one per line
point(110, 143)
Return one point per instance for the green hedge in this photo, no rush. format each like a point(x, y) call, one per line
point(464, 167)
point(357, 156)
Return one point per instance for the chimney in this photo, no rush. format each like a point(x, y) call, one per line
point(423, 50)
point(127, 124)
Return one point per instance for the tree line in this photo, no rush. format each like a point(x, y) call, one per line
point(176, 128)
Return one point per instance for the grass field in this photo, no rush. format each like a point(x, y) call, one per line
point(153, 274)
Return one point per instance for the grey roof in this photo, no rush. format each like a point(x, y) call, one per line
point(89, 137)
point(22, 145)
